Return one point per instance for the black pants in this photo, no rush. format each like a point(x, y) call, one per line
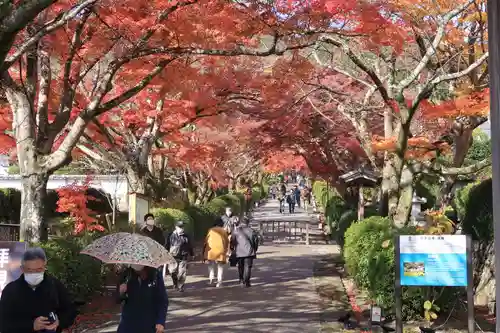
point(245, 269)
point(291, 207)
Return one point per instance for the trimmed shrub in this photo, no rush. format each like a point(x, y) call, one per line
point(462, 198)
point(10, 205)
point(217, 206)
point(233, 201)
point(369, 257)
point(203, 220)
point(167, 217)
point(478, 222)
point(256, 194)
point(334, 209)
point(81, 274)
point(346, 220)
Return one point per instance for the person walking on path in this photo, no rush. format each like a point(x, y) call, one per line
point(145, 301)
point(306, 198)
point(283, 189)
point(296, 193)
point(273, 191)
point(290, 200)
point(244, 244)
point(215, 251)
point(155, 233)
point(281, 199)
point(151, 230)
point(228, 220)
point(180, 247)
point(36, 301)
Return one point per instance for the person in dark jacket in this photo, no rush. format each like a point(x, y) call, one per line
point(244, 244)
point(145, 301)
point(180, 247)
point(296, 192)
point(283, 189)
point(28, 302)
point(290, 200)
point(151, 230)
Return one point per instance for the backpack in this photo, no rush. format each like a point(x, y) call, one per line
point(176, 244)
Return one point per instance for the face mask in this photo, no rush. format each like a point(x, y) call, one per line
point(137, 268)
point(33, 279)
point(150, 223)
point(229, 213)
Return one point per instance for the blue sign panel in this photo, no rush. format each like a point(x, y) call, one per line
point(427, 260)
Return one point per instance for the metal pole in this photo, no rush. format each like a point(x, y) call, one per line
point(307, 233)
point(494, 76)
point(398, 297)
point(471, 322)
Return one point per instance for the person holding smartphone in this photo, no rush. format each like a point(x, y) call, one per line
point(36, 302)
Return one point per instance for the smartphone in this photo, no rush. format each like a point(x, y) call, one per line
point(52, 317)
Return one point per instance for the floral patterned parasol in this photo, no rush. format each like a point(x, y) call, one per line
point(133, 249)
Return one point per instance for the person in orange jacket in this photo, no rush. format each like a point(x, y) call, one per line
point(215, 252)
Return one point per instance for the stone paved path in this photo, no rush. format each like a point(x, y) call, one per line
point(282, 299)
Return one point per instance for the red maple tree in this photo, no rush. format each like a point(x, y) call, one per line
point(73, 199)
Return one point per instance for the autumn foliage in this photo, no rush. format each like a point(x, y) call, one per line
point(73, 199)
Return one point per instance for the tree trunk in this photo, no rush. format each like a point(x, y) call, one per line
point(403, 209)
point(33, 220)
point(232, 185)
point(202, 192)
point(136, 181)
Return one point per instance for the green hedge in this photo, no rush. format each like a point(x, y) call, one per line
point(167, 217)
point(81, 274)
point(203, 220)
point(84, 276)
point(346, 219)
point(236, 201)
point(369, 258)
point(478, 222)
point(462, 198)
point(371, 264)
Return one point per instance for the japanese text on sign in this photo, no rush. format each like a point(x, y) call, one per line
point(427, 260)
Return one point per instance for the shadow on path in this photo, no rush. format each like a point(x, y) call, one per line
point(282, 299)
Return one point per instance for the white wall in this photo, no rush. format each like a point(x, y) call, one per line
point(115, 186)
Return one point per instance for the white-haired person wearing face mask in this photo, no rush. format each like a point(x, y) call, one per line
point(36, 302)
point(145, 301)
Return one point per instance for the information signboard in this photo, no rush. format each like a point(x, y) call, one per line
point(11, 254)
point(138, 207)
point(428, 260)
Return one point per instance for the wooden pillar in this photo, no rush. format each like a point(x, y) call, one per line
point(494, 77)
point(361, 204)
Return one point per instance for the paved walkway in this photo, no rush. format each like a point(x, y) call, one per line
point(282, 299)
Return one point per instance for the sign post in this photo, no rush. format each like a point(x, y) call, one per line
point(138, 207)
point(11, 254)
point(433, 261)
